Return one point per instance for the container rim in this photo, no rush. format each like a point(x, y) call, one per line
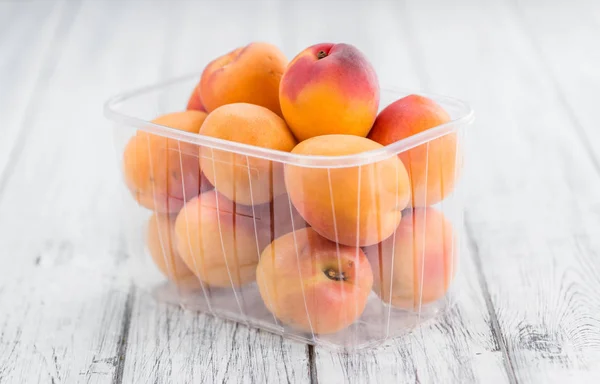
point(111, 112)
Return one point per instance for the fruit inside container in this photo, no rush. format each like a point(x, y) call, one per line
point(294, 196)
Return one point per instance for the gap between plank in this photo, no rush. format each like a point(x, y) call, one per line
point(495, 324)
point(124, 337)
point(67, 19)
point(312, 365)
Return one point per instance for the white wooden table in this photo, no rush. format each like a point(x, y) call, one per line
point(528, 309)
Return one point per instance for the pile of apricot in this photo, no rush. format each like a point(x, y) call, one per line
point(316, 241)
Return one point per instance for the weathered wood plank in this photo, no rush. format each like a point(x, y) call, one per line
point(534, 193)
point(30, 36)
point(165, 343)
point(564, 37)
point(64, 291)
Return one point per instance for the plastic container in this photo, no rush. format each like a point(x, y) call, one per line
point(304, 295)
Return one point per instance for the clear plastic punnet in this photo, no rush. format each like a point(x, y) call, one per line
point(344, 252)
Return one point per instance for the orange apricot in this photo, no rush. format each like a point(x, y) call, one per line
point(313, 284)
point(217, 240)
point(354, 205)
point(249, 74)
point(416, 265)
point(160, 240)
point(329, 89)
point(243, 179)
point(432, 166)
point(163, 173)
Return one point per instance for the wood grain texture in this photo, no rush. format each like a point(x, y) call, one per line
point(31, 34)
point(564, 39)
point(534, 193)
point(63, 285)
point(527, 308)
point(167, 344)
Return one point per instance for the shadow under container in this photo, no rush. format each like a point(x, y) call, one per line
point(340, 252)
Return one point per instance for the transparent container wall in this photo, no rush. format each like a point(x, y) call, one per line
point(341, 256)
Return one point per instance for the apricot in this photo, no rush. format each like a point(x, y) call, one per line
point(160, 240)
point(329, 89)
point(243, 179)
point(431, 166)
point(220, 241)
point(163, 173)
point(217, 240)
point(415, 266)
point(195, 102)
point(249, 74)
point(313, 284)
point(355, 206)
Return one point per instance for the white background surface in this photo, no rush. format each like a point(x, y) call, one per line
point(529, 307)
